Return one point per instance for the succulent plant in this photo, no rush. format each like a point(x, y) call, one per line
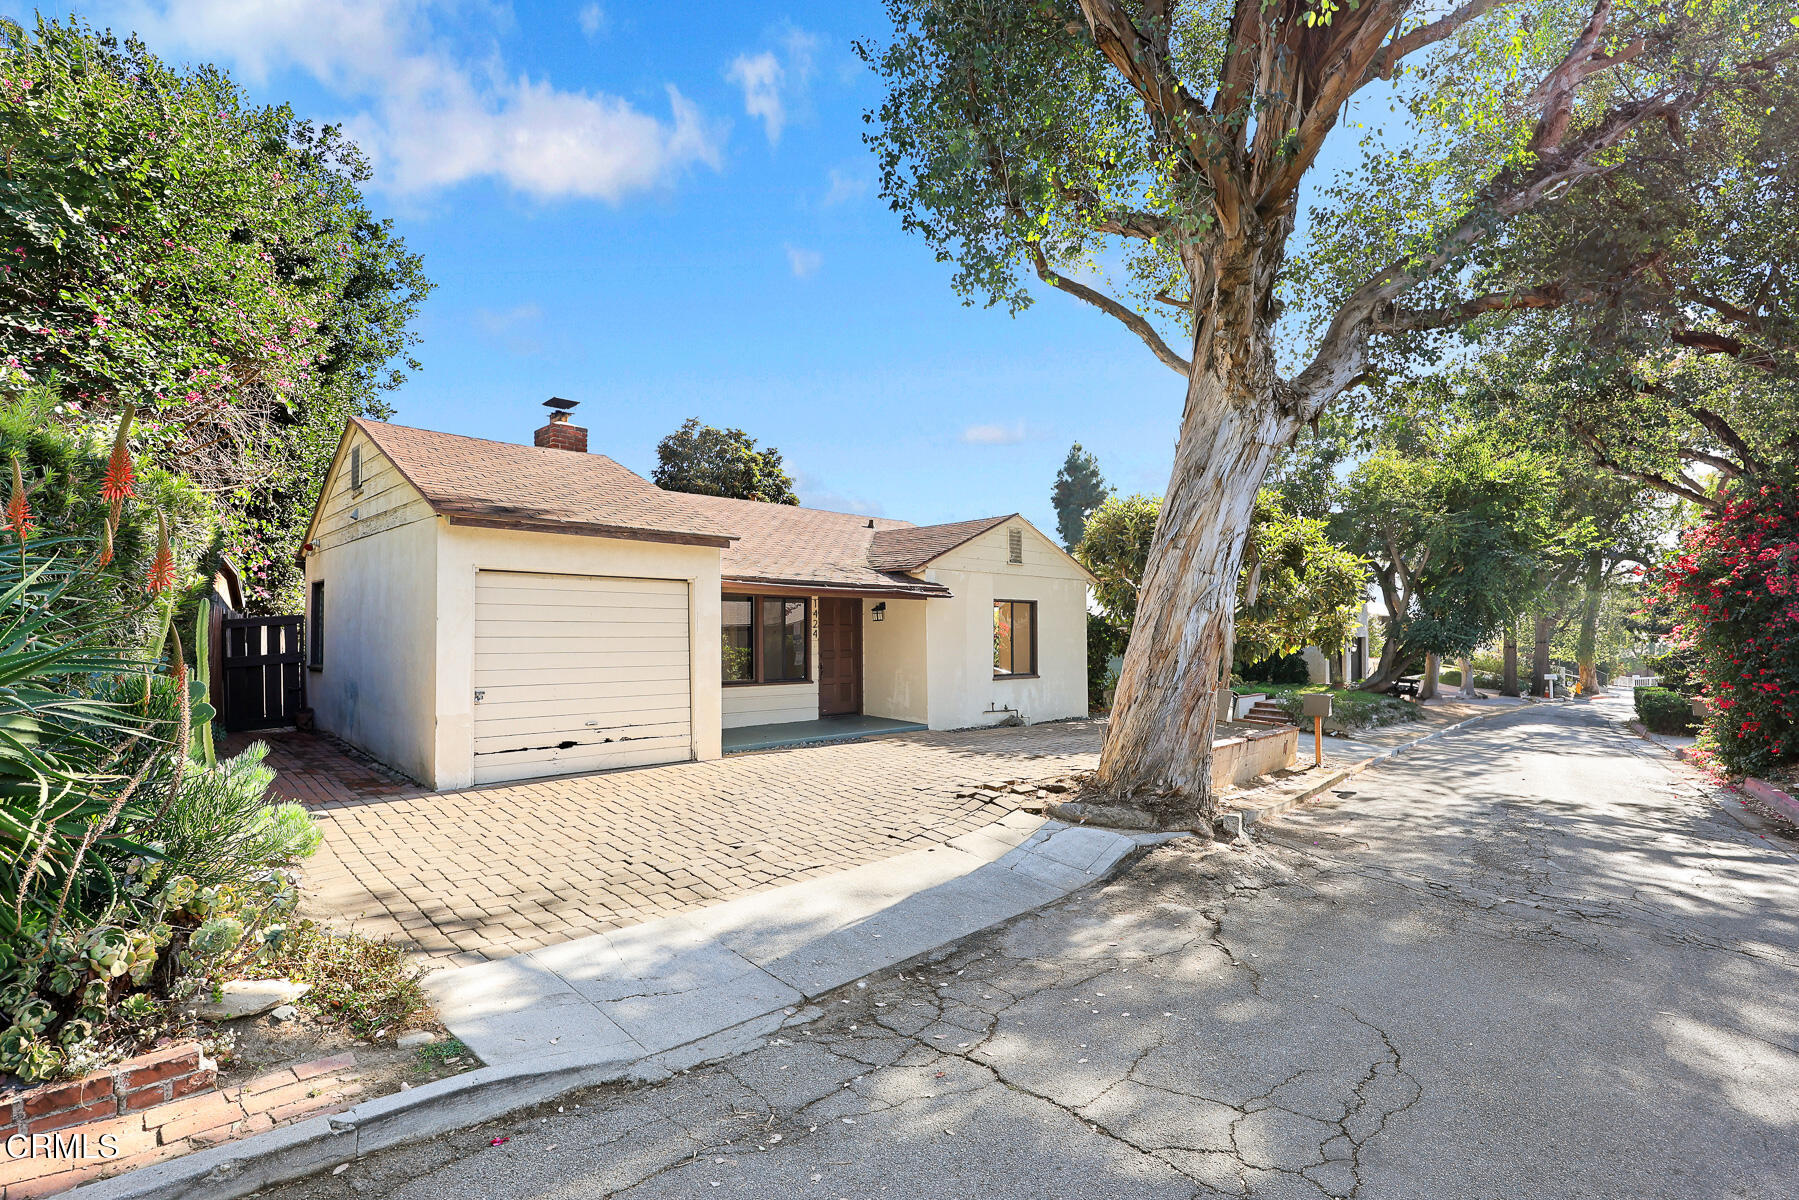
point(216, 938)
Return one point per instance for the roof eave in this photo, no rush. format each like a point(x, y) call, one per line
point(897, 591)
point(584, 529)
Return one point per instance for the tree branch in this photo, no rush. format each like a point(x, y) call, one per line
point(1424, 35)
point(1721, 429)
point(1132, 319)
point(1342, 352)
point(1686, 489)
point(1549, 295)
point(1706, 342)
point(1172, 108)
point(1715, 461)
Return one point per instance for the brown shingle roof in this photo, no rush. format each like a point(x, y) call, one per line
point(474, 481)
point(477, 482)
point(782, 543)
point(911, 547)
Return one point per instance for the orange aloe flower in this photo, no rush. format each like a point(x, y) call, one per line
point(162, 571)
point(120, 483)
point(18, 505)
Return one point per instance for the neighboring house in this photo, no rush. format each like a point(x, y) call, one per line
point(481, 611)
point(1349, 665)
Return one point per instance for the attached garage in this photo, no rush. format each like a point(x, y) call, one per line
point(579, 673)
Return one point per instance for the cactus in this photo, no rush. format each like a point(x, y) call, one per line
point(200, 699)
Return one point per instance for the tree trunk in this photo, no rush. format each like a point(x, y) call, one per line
point(1508, 683)
point(1542, 629)
point(1586, 646)
point(1433, 665)
point(1468, 692)
point(1158, 748)
point(1390, 668)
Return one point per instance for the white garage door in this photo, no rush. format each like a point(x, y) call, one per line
point(579, 673)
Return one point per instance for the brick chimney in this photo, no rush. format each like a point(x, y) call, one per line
point(559, 434)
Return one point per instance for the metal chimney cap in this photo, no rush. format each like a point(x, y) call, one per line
point(558, 403)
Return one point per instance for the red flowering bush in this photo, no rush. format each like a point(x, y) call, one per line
point(1734, 593)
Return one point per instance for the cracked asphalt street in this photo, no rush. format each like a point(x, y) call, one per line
point(1532, 958)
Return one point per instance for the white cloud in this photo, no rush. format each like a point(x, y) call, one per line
point(843, 187)
point(428, 120)
point(994, 435)
point(593, 20)
point(803, 263)
point(514, 328)
point(775, 80)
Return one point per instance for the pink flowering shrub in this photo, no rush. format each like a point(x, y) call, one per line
point(1734, 592)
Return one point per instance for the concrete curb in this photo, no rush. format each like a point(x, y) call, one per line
point(1781, 802)
point(1234, 823)
point(294, 1152)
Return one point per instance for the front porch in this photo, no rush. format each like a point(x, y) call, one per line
point(846, 728)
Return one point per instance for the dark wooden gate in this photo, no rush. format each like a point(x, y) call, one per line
point(264, 672)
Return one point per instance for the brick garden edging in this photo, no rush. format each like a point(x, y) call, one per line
point(159, 1105)
point(164, 1074)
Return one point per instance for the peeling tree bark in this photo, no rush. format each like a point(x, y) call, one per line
point(1158, 747)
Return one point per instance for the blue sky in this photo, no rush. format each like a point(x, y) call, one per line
point(668, 211)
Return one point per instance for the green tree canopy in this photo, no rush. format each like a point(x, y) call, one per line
point(709, 461)
point(1115, 547)
point(1457, 536)
point(1309, 590)
point(171, 245)
point(1079, 489)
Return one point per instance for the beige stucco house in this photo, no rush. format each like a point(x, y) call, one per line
point(481, 611)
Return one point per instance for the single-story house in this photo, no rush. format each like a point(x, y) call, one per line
point(481, 611)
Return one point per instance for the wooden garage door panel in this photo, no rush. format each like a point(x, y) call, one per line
point(587, 738)
point(579, 673)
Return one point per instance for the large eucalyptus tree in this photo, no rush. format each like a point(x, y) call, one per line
point(1173, 142)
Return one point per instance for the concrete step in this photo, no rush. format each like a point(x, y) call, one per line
point(1264, 713)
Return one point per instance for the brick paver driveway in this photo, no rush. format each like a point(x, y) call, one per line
point(486, 873)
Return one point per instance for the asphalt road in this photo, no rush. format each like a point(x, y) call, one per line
point(1533, 958)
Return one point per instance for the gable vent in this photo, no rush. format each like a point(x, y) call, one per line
point(355, 468)
point(1015, 545)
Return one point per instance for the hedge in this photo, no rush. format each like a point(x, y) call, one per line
point(1664, 711)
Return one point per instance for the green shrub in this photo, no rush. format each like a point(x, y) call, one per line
point(1103, 641)
point(1664, 711)
point(221, 827)
point(1282, 668)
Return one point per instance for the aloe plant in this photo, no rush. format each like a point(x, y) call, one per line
point(68, 752)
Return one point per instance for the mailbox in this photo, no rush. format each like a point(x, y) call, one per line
point(1316, 704)
point(1701, 707)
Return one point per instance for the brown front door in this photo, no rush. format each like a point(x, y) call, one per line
point(839, 656)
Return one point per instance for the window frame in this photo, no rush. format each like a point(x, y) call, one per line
point(757, 658)
point(315, 626)
point(1033, 673)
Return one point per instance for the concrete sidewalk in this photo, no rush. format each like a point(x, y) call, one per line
point(642, 1003)
point(668, 987)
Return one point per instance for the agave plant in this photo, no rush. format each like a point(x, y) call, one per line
point(72, 758)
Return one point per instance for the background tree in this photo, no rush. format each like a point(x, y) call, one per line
point(1455, 538)
point(1079, 489)
point(1030, 136)
point(171, 245)
point(1309, 590)
point(721, 462)
point(1115, 547)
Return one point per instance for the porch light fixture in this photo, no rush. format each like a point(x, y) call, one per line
point(880, 611)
